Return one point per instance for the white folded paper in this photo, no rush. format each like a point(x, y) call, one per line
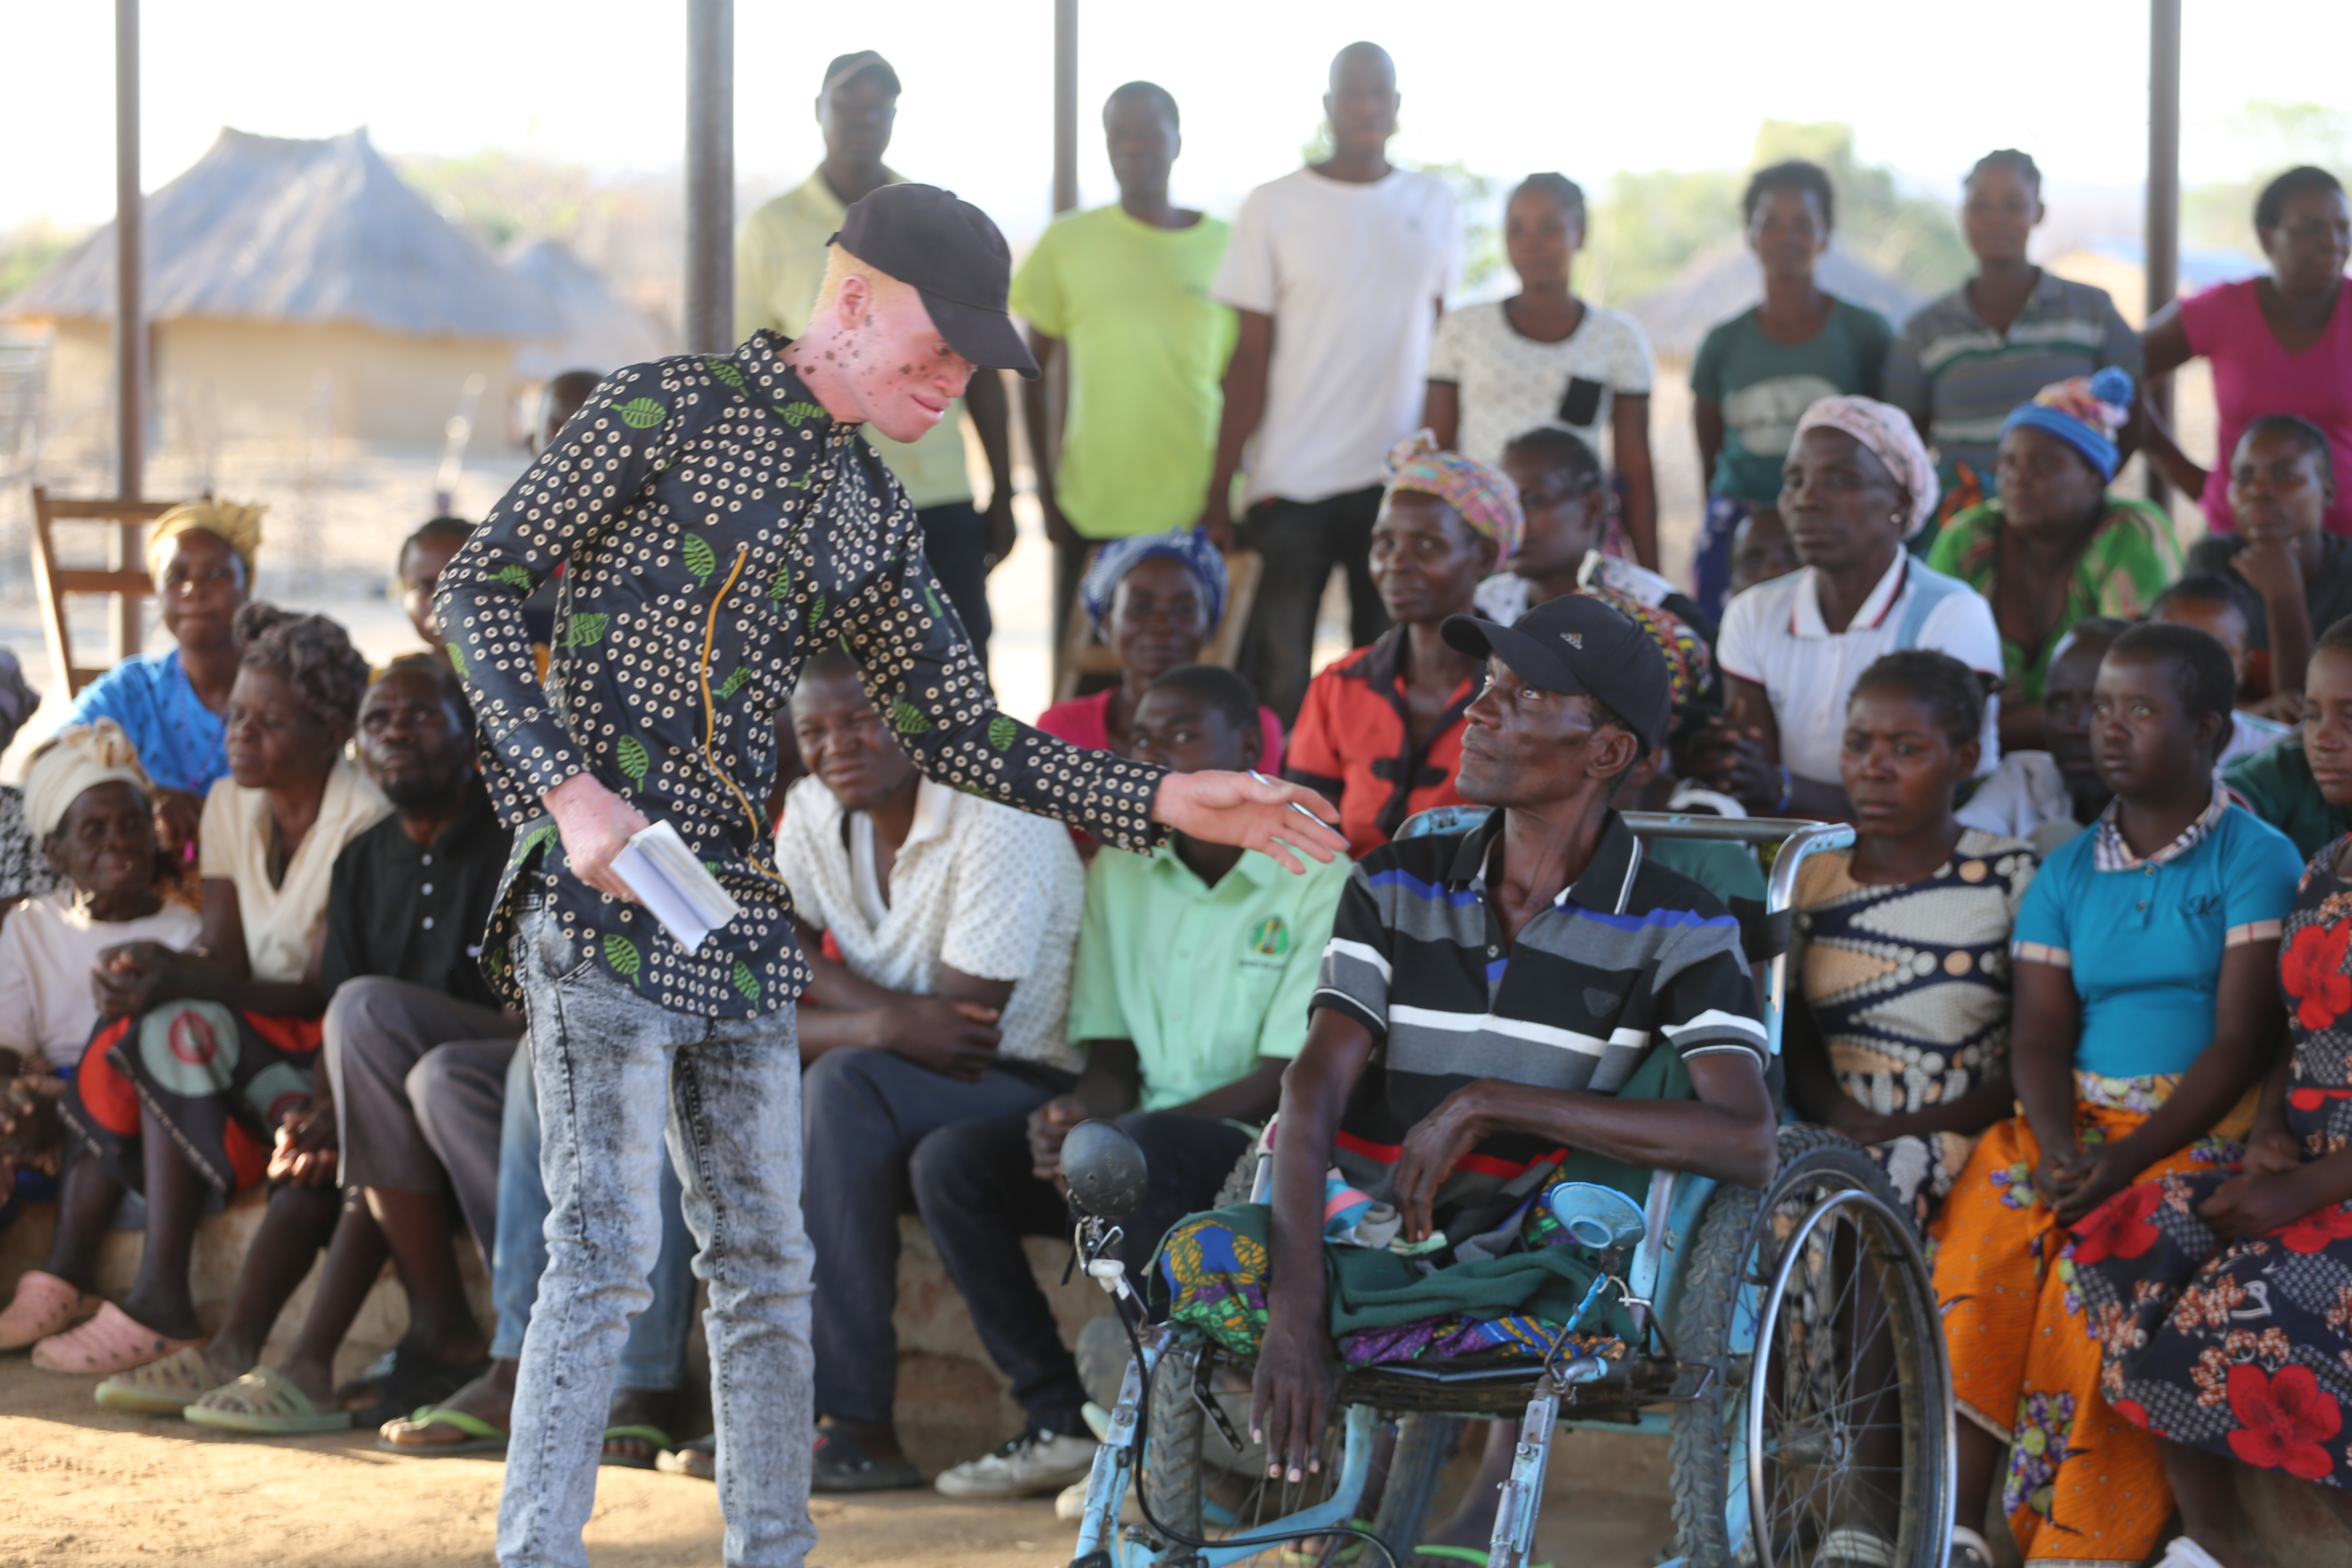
point(676, 888)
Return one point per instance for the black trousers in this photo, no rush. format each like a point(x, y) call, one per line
point(1300, 543)
point(978, 1199)
point(955, 541)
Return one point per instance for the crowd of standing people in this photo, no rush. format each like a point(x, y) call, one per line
point(2078, 986)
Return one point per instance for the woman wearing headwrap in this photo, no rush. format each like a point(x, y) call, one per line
point(1381, 731)
point(1156, 599)
point(202, 1059)
point(85, 804)
point(1856, 485)
point(24, 871)
point(174, 706)
point(2056, 545)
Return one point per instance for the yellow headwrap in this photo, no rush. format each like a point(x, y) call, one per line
point(73, 761)
point(237, 525)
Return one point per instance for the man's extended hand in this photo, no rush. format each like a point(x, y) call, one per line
point(595, 825)
point(1434, 1146)
point(1235, 808)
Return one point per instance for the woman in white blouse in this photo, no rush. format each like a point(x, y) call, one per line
point(1545, 358)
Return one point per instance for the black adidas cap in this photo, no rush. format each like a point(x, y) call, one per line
point(1579, 647)
point(954, 256)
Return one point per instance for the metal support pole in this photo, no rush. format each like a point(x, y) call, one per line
point(2163, 243)
point(130, 322)
point(1065, 105)
point(710, 177)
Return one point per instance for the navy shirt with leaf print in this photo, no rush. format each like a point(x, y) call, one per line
point(715, 525)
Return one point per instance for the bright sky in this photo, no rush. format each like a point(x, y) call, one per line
point(1585, 90)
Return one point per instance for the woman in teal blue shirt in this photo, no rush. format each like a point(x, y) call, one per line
point(2146, 1009)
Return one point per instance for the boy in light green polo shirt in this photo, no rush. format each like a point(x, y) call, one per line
point(1194, 968)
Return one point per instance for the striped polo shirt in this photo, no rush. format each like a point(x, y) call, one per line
point(1630, 959)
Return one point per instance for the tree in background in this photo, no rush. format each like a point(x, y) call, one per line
point(1651, 226)
point(2281, 135)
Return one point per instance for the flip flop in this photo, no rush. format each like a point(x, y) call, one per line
point(698, 1459)
point(643, 1434)
point(165, 1387)
point(265, 1402)
point(404, 1378)
point(43, 1305)
point(482, 1438)
point(109, 1342)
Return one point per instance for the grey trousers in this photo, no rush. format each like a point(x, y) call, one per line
point(382, 1037)
point(618, 1077)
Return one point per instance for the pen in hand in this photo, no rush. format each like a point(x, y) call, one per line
point(1294, 805)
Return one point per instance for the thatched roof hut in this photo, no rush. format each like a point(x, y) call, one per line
point(595, 328)
point(285, 277)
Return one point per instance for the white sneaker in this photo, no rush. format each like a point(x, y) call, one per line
point(1071, 1505)
point(1032, 1464)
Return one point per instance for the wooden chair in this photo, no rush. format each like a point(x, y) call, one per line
point(124, 580)
point(1083, 654)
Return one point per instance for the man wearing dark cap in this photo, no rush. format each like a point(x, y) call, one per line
point(717, 519)
point(780, 256)
point(1487, 996)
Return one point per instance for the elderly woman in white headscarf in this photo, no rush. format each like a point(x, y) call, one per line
point(1857, 486)
point(86, 803)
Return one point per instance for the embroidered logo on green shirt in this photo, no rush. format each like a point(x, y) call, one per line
point(1270, 938)
point(641, 413)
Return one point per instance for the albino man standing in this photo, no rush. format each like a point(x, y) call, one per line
point(718, 519)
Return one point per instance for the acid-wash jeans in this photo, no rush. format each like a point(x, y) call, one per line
point(617, 1075)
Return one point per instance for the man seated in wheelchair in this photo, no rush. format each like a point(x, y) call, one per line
point(1498, 1009)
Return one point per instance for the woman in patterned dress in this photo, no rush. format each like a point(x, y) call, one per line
point(2223, 1304)
point(1902, 941)
point(2145, 1013)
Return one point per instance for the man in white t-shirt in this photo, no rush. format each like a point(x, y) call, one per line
point(957, 920)
point(1791, 649)
point(1338, 271)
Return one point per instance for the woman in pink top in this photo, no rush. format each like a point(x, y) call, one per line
point(1155, 598)
point(2280, 344)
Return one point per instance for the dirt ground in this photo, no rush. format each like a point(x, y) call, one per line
point(99, 1490)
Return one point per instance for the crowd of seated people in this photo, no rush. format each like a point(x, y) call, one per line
point(2101, 793)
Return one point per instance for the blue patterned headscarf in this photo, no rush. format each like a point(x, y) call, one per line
point(1121, 556)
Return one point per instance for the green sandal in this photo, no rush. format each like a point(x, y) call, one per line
point(652, 1434)
point(265, 1402)
point(482, 1438)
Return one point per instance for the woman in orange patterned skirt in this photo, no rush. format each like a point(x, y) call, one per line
point(2146, 1007)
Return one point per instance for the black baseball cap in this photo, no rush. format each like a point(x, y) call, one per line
point(953, 256)
point(1579, 647)
point(844, 66)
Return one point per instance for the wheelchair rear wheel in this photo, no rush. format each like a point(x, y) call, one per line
point(1827, 1434)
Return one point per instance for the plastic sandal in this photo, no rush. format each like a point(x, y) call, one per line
point(163, 1387)
point(111, 1343)
point(698, 1459)
point(482, 1438)
point(265, 1402)
point(43, 1305)
point(655, 1436)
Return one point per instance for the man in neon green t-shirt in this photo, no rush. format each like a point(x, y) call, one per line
point(1128, 446)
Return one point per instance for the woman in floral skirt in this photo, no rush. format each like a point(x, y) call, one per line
point(2223, 1304)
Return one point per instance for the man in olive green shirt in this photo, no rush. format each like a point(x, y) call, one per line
point(1118, 305)
point(779, 254)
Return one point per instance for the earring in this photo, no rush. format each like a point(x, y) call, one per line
point(1898, 517)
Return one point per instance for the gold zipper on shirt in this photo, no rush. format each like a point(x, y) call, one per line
point(710, 710)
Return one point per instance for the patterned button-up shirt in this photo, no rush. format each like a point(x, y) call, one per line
point(716, 525)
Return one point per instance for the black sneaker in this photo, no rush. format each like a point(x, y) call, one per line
point(842, 1466)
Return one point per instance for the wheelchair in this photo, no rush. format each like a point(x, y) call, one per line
point(1788, 1344)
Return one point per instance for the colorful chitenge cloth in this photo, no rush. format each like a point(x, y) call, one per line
point(1387, 1308)
point(2083, 1485)
point(2242, 1346)
point(219, 1082)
